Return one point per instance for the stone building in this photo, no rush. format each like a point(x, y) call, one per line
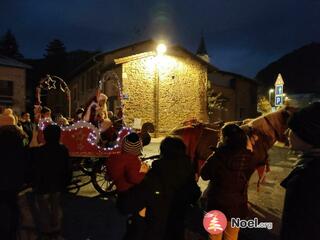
point(231, 96)
point(13, 84)
point(163, 89)
point(238, 96)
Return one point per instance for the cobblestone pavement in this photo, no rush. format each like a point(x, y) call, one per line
point(90, 216)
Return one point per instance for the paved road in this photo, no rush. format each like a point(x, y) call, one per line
point(90, 216)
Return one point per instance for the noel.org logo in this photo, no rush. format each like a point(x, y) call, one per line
point(215, 222)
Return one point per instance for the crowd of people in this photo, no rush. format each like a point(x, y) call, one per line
point(27, 167)
point(157, 198)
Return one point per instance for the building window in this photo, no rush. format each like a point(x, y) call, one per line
point(6, 88)
point(6, 93)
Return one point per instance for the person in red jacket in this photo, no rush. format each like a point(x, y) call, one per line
point(126, 169)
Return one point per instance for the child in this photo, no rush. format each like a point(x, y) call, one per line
point(127, 170)
point(50, 176)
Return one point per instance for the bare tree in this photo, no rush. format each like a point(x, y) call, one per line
point(264, 105)
point(216, 101)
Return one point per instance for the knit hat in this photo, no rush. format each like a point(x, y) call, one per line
point(7, 118)
point(306, 124)
point(132, 144)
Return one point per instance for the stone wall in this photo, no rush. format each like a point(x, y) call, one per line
point(138, 79)
point(181, 94)
point(18, 77)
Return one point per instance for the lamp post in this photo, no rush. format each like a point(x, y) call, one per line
point(271, 90)
point(160, 50)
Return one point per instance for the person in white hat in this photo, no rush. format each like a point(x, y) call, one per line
point(97, 111)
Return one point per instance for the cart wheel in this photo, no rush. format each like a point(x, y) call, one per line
point(87, 165)
point(100, 182)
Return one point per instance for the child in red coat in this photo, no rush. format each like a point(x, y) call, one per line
point(126, 169)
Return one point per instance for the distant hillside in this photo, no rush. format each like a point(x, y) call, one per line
point(300, 70)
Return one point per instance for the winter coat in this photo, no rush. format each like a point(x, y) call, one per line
point(51, 168)
point(165, 192)
point(28, 129)
point(229, 171)
point(301, 212)
point(13, 159)
point(124, 169)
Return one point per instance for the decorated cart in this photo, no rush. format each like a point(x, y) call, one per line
point(83, 139)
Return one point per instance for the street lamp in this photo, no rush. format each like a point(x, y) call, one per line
point(161, 49)
point(271, 90)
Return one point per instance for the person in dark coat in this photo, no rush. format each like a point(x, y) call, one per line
point(27, 125)
point(301, 212)
point(229, 169)
point(13, 164)
point(166, 191)
point(50, 176)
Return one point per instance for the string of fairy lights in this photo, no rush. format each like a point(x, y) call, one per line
point(93, 137)
point(120, 93)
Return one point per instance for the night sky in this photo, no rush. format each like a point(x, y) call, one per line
point(242, 36)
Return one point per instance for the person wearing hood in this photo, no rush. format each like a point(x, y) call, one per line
point(7, 118)
point(301, 212)
point(165, 193)
point(229, 169)
point(12, 179)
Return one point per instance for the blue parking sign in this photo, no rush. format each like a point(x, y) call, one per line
point(278, 101)
point(279, 89)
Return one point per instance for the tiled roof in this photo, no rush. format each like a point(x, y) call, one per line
point(10, 62)
point(149, 42)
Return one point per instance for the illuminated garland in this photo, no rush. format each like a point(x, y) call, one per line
point(93, 138)
point(49, 83)
point(114, 75)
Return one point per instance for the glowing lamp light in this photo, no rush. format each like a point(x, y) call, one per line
point(161, 49)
